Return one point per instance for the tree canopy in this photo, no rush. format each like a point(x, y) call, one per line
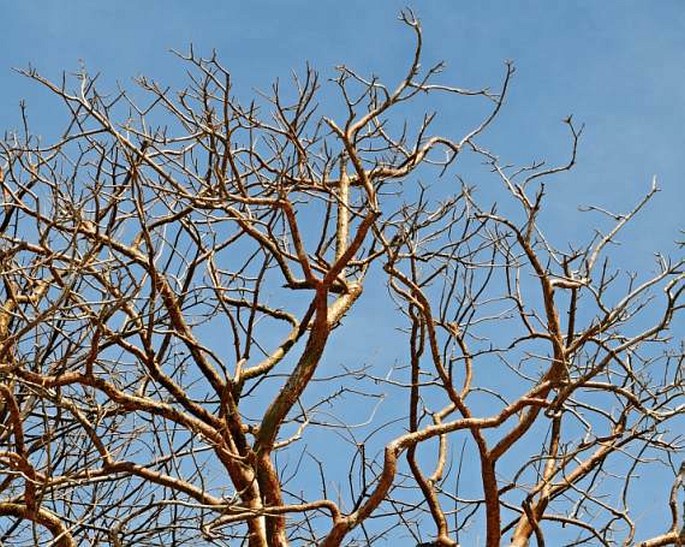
point(179, 265)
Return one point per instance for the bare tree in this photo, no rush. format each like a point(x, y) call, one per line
point(176, 264)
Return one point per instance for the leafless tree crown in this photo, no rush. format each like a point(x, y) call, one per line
point(175, 265)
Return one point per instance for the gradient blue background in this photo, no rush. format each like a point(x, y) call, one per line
point(617, 66)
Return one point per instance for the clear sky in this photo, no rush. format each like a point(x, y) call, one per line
point(617, 66)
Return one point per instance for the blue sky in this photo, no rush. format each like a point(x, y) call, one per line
point(617, 66)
